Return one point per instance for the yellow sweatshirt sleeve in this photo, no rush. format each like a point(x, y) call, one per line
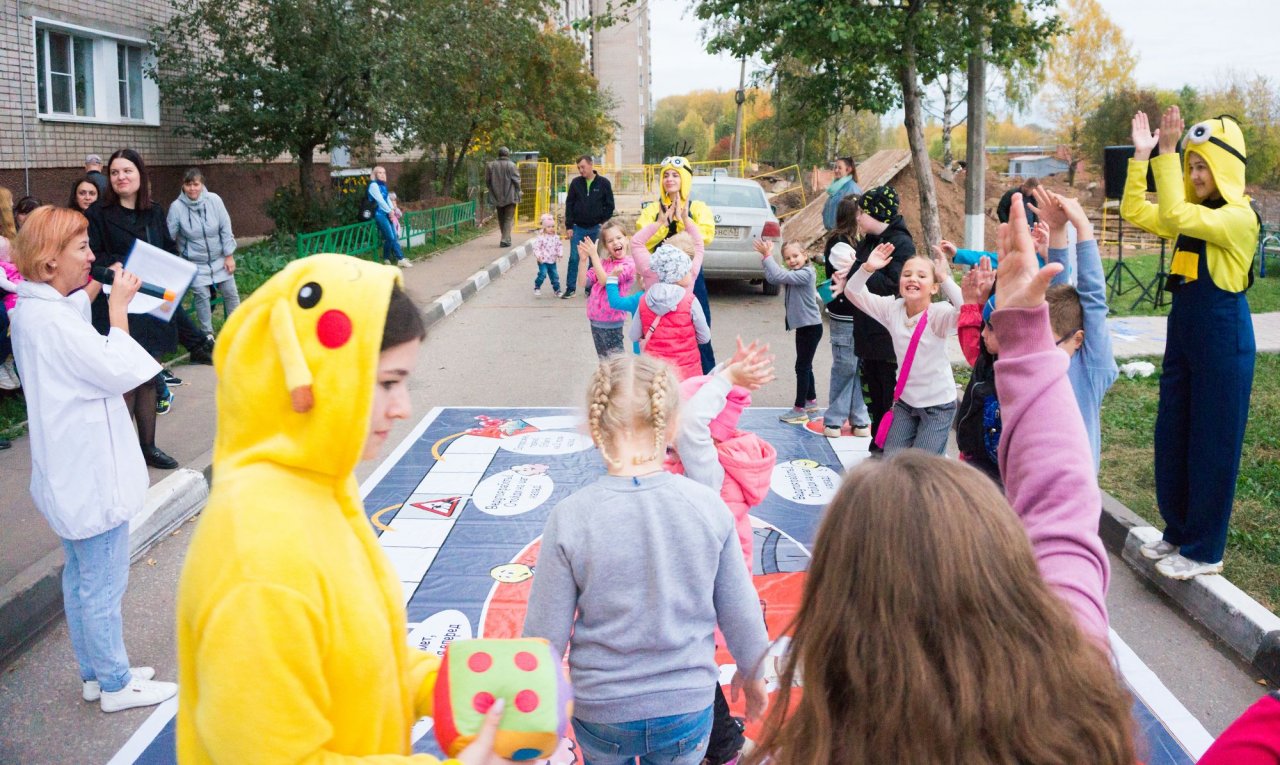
point(423, 670)
point(1134, 206)
point(285, 636)
point(705, 221)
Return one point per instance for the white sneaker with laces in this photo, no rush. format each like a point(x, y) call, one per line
point(1157, 550)
point(830, 432)
point(138, 693)
point(91, 691)
point(1177, 567)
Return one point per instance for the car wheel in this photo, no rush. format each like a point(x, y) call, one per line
point(771, 289)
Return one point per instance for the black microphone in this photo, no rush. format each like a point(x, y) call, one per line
point(107, 276)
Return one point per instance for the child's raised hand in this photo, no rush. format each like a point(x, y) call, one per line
point(1143, 139)
point(1047, 207)
point(1170, 130)
point(754, 370)
point(941, 264)
point(976, 285)
point(946, 249)
point(764, 247)
point(838, 280)
point(587, 248)
point(1078, 217)
point(881, 255)
point(1022, 282)
point(1040, 235)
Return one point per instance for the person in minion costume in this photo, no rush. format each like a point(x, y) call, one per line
point(291, 620)
point(675, 179)
point(1209, 346)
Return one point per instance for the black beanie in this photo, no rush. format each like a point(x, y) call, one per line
point(880, 203)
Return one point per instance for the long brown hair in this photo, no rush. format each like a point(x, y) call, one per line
point(926, 634)
point(7, 227)
point(846, 220)
point(143, 201)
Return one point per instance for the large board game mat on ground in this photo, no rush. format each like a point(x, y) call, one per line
point(459, 509)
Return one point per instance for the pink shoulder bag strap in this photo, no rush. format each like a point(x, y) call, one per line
point(886, 421)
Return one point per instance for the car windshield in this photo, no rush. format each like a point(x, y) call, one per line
point(726, 195)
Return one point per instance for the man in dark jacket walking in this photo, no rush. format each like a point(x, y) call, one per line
point(502, 178)
point(588, 204)
point(879, 222)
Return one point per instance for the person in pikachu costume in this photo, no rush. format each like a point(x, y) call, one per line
point(675, 179)
point(291, 623)
point(1209, 346)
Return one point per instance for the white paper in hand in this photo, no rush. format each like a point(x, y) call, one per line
point(155, 266)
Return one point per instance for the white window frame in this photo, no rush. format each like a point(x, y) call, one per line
point(106, 82)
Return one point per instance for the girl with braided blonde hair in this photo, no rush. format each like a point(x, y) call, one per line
point(641, 616)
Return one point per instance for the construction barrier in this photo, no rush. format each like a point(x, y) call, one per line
point(362, 239)
point(535, 194)
point(779, 183)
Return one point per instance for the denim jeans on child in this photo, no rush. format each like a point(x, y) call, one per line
point(93, 584)
point(547, 270)
point(845, 401)
point(674, 740)
point(925, 428)
point(390, 242)
point(579, 233)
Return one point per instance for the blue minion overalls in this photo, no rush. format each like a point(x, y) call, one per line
point(1209, 345)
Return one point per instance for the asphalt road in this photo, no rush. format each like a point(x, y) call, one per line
point(504, 347)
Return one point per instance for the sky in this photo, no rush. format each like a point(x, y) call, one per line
point(1177, 41)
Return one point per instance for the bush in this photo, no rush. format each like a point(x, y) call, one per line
point(329, 207)
point(260, 261)
point(413, 177)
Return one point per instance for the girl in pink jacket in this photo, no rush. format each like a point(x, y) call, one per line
point(606, 322)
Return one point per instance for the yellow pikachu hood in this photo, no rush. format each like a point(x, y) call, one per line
point(1221, 143)
point(296, 364)
point(680, 165)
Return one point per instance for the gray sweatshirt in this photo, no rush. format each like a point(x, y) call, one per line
point(650, 565)
point(662, 298)
point(801, 297)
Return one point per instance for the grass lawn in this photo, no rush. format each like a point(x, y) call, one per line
point(1253, 543)
point(254, 265)
point(1264, 295)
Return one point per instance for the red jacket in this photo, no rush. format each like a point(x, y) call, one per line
point(1253, 739)
point(674, 339)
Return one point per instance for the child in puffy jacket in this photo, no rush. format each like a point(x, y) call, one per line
point(671, 323)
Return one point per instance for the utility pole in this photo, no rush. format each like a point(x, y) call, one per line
point(975, 176)
point(739, 98)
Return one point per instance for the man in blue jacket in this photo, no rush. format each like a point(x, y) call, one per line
point(588, 204)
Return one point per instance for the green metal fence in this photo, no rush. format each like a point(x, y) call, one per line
point(362, 239)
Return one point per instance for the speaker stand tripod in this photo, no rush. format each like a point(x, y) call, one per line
point(1115, 276)
point(1153, 291)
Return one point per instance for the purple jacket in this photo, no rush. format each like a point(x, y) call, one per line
point(1047, 465)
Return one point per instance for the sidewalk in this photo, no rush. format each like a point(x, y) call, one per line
point(31, 556)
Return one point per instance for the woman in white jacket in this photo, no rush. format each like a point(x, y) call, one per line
point(199, 223)
point(88, 477)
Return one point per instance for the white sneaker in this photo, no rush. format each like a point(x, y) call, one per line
point(830, 432)
point(862, 431)
point(9, 379)
point(1177, 567)
point(138, 693)
point(1158, 549)
point(537, 292)
point(91, 691)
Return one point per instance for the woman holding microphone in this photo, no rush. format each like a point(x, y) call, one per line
point(88, 477)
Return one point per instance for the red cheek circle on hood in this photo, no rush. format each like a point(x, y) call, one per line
point(334, 329)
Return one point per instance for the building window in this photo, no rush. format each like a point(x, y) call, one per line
point(64, 70)
point(91, 76)
point(129, 75)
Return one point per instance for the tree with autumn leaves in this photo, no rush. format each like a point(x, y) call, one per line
point(1088, 64)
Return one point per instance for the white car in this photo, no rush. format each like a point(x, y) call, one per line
point(742, 214)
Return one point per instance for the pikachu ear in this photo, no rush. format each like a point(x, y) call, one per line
point(297, 375)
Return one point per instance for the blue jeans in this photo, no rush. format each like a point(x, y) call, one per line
point(704, 349)
point(93, 583)
point(674, 740)
point(846, 401)
point(547, 270)
point(579, 233)
point(390, 242)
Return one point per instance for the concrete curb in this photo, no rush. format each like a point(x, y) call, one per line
point(453, 299)
point(1238, 620)
point(34, 597)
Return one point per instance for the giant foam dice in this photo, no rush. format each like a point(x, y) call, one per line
point(476, 673)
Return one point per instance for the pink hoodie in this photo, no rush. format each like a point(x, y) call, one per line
point(598, 303)
point(1047, 465)
point(713, 452)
